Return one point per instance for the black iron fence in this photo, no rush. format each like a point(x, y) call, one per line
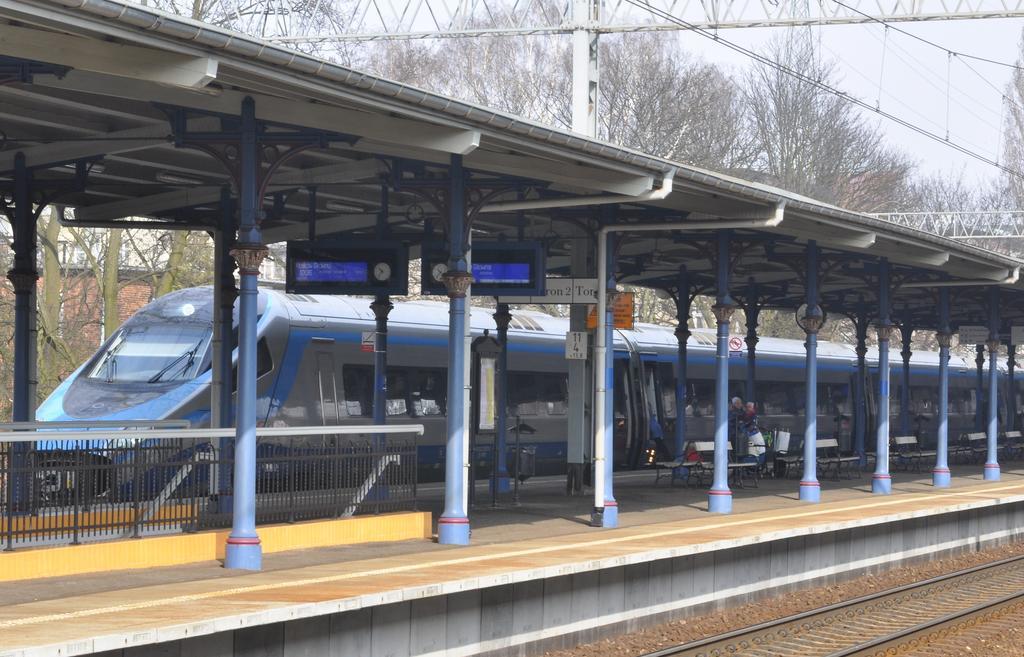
point(67, 492)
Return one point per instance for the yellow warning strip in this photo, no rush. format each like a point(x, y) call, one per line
point(180, 549)
point(509, 554)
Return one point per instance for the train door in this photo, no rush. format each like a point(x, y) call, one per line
point(327, 389)
point(654, 409)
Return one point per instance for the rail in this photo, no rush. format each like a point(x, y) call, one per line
point(66, 485)
point(879, 623)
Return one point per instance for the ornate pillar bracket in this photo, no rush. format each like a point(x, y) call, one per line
point(944, 338)
point(884, 332)
point(683, 333)
point(249, 258)
point(723, 312)
point(24, 282)
point(993, 346)
point(381, 308)
point(861, 350)
point(457, 283)
point(752, 340)
point(502, 317)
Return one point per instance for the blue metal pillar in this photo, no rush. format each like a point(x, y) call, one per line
point(381, 308)
point(243, 544)
point(225, 281)
point(610, 518)
point(682, 336)
point(720, 497)
point(752, 311)
point(881, 481)
point(860, 407)
point(810, 489)
point(453, 525)
point(502, 318)
point(1011, 388)
point(906, 331)
point(940, 473)
point(979, 395)
point(23, 277)
point(992, 458)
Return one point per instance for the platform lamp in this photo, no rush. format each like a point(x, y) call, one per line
point(486, 351)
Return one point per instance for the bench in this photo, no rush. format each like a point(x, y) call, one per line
point(1013, 444)
point(975, 446)
point(908, 452)
point(738, 471)
point(830, 459)
point(785, 460)
point(671, 470)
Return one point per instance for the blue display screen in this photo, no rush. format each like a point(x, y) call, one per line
point(328, 271)
point(505, 273)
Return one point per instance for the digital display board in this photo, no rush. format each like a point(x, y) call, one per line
point(351, 266)
point(319, 271)
point(508, 273)
point(498, 268)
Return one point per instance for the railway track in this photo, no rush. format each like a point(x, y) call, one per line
point(913, 619)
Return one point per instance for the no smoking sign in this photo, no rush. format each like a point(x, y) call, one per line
point(735, 343)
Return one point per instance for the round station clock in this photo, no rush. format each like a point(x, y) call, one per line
point(382, 271)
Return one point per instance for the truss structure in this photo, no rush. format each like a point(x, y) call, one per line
point(976, 225)
point(377, 20)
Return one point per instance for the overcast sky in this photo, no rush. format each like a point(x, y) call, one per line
point(914, 81)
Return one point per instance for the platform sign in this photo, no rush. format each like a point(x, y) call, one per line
point(347, 267)
point(576, 343)
point(498, 268)
point(1016, 335)
point(973, 334)
point(560, 290)
point(622, 310)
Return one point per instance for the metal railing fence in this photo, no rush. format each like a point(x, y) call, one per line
point(73, 486)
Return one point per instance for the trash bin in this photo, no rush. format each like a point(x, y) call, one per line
point(523, 463)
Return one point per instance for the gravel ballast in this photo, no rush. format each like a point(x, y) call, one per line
point(698, 627)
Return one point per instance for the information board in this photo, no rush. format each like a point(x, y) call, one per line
point(560, 290)
point(576, 343)
point(622, 311)
point(348, 266)
point(1016, 335)
point(498, 268)
point(973, 334)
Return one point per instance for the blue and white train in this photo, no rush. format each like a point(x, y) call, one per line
point(312, 371)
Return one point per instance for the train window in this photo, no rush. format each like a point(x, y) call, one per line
point(553, 393)
point(667, 379)
point(522, 393)
point(398, 390)
point(358, 383)
point(774, 398)
point(429, 392)
point(701, 401)
point(264, 363)
point(924, 400)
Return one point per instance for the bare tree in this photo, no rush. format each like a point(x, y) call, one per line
point(661, 100)
point(814, 142)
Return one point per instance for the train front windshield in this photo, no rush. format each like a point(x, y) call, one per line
point(166, 342)
point(153, 353)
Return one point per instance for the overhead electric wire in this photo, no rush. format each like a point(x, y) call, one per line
point(962, 57)
point(955, 53)
point(758, 57)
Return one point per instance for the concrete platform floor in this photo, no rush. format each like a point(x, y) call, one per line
point(545, 512)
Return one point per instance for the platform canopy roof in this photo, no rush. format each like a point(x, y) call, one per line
point(122, 112)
